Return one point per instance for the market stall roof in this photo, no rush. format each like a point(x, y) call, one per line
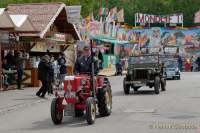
point(22, 23)
point(6, 21)
point(42, 15)
point(109, 39)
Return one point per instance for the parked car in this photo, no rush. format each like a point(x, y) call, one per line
point(172, 70)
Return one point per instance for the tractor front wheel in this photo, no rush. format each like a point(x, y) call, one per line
point(56, 111)
point(90, 110)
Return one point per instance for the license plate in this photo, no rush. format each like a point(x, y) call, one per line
point(137, 82)
point(58, 90)
point(69, 110)
point(70, 95)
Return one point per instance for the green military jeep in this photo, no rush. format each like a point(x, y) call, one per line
point(145, 70)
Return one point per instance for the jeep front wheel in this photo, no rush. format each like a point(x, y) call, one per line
point(163, 84)
point(157, 85)
point(126, 87)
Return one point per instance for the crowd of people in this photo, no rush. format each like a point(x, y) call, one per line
point(189, 64)
point(48, 66)
point(14, 63)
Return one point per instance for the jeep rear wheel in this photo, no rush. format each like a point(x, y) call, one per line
point(163, 84)
point(126, 87)
point(157, 85)
point(104, 97)
point(56, 111)
point(90, 110)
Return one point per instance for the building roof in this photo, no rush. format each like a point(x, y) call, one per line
point(22, 23)
point(18, 20)
point(2, 10)
point(42, 15)
point(6, 21)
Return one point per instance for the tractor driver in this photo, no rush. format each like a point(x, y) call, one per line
point(84, 63)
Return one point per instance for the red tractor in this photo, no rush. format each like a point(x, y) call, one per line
point(79, 94)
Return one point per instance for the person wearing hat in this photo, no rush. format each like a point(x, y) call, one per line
point(83, 64)
point(44, 72)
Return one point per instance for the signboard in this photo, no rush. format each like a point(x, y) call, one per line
point(73, 14)
point(148, 18)
point(43, 47)
point(60, 37)
point(4, 37)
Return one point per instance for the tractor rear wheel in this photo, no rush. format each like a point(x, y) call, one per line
point(56, 111)
point(104, 97)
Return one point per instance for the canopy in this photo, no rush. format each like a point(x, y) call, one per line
point(109, 39)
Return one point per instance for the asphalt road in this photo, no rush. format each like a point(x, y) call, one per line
point(176, 110)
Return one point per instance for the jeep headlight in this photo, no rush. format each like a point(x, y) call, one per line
point(149, 71)
point(130, 72)
point(177, 70)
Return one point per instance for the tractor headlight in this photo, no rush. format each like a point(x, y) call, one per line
point(61, 86)
point(83, 82)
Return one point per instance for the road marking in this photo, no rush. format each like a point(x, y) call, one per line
point(140, 111)
point(19, 106)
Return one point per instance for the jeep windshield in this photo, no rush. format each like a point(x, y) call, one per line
point(144, 59)
point(171, 64)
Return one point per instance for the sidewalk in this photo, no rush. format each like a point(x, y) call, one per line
point(109, 72)
point(14, 99)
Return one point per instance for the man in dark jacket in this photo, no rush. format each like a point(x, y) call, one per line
point(10, 59)
point(44, 72)
point(84, 63)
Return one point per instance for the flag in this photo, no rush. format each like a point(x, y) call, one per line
point(120, 15)
point(113, 14)
point(103, 11)
point(91, 16)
